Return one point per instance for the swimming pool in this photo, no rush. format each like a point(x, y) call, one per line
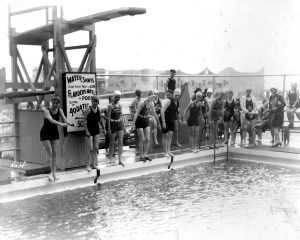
point(234, 200)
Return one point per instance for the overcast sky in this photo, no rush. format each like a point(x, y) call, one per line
point(182, 34)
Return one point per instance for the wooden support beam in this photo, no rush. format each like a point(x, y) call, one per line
point(29, 10)
point(25, 70)
point(65, 56)
point(47, 80)
point(38, 85)
point(38, 73)
point(20, 75)
point(71, 47)
point(46, 59)
point(24, 94)
point(90, 59)
point(88, 50)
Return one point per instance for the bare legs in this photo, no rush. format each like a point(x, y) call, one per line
point(229, 126)
point(193, 137)
point(153, 124)
point(93, 143)
point(144, 137)
point(112, 140)
point(51, 151)
point(276, 137)
point(176, 133)
point(290, 116)
point(166, 141)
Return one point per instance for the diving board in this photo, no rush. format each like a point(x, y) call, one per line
point(39, 35)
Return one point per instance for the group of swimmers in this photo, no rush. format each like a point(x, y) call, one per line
point(203, 115)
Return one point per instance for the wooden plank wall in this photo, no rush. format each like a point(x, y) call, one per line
point(73, 149)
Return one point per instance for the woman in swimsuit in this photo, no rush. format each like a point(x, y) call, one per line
point(193, 121)
point(142, 124)
point(116, 126)
point(49, 134)
point(91, 120)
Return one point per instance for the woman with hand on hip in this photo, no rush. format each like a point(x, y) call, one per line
point(91, 119)
point(193, 121)
point(49, 134)
point(116, 126)
point(141, 121)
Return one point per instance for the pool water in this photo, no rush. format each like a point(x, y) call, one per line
point(234, 200)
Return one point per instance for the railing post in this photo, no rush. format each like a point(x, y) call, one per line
point(214, 85)
point(283, 86)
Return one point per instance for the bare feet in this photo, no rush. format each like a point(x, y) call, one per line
point(88, 168)
point(121, 163)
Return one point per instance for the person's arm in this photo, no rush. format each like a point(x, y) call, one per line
point(101, 120)
point(167, 82)
point(154, 113)
point(210, 111)
point(185, 111)
point(85, 115)
point(163, 110)
point(47, 116)
point(122, 118)
point(281, 102)
point(254, 105)
point(178, 116)
point(297, 99)
point(243, 105)
point(61, 112)
point(132, 107)
point(109, 108)
point(137, 112)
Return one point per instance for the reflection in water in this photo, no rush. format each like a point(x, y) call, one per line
point(234, 200)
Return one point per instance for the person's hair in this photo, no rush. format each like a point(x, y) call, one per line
point(230, 92)
point(94, 98)
point(197, 90)
point(138, 92)
point(150, 93)
point(55, 98)
point(172, 71)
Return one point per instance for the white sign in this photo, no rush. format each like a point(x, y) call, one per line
point(79, 88)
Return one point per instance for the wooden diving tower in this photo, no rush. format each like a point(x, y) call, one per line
point(49, 76)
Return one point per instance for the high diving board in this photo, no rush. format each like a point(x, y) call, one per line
point(39, 35)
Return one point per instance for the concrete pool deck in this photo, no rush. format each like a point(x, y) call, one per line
point(38, 185)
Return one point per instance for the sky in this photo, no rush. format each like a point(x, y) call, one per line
point(189, 35)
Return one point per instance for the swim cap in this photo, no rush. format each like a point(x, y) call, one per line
point(117, 92)
point(177, 92)
point(209, 90)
